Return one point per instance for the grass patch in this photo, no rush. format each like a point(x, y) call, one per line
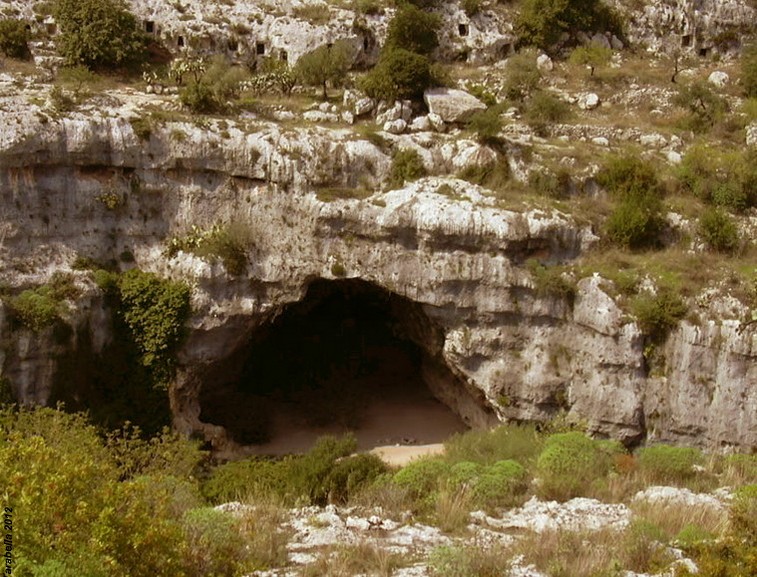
point(332, 193)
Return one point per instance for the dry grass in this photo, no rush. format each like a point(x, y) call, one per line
point(672, 518)
point(452, 509)
point(364, 558)
point(265, 532)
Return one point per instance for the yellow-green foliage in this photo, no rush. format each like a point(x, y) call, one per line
point(40, 307)
point(406, 166)
point(571, 463)
point(324, 474)
point(668, 464)
point(78, 511)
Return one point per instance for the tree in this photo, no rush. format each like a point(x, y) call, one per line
point(705, 107)
point(399, 74)
point(14, 36)
point(542, 22)
point(592, 55)
point(98, 33)
point(522, 76)
point(413, 29)
point(327, 63)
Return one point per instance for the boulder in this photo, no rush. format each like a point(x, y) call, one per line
point(364, 106)
point(436, 121)
point(718, 78)
point(395, 126)
point(751, 134)
point(588, 101)
point(420, 124)
point(544, 63)
point(451, 104)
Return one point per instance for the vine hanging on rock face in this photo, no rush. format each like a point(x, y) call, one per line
point(154, 310)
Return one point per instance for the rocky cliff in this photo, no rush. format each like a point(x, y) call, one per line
point(494, 344)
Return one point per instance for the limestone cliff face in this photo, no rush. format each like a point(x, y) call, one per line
point(497, 346)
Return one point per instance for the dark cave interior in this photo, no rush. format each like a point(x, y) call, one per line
point(345, 358)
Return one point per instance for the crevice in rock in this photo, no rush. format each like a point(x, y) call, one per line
point(350, 356)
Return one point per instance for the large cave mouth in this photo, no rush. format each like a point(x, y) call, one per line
point(350, 356)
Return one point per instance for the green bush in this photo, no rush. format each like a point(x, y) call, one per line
point(571, 463)
point(421, 478)
point(399, 74)
point(721, 177)
point(553, 185)
point(522, 76)
point(413, 30)
point(544, 109)
point(487, 124)
point(14, 38)
point(542, 22)
point(406, 166)
point(658, 313)
point(668, 464)
point(749, 70)
point(40, 307)
point(637, 220)
point(350, 475)
point(636, 223)
point(494, 176)
point(719, 230)
point(98, 34)
point(550, 281)
point(154, 310)
point(518, 442)
point(216, 545)
point(704, 106)
point(500, 485)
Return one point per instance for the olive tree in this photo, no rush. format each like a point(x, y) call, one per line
point(327, 63)
point(98, 33)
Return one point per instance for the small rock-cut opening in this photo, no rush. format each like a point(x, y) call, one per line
point(348, 357)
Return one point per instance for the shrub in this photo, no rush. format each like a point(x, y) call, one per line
point(550, 281)
point(98, 33)
point(704, 106)
point(542, 22)
point(719, 230)
point(413, 30)
point(637, 220)
point(749, 70)
point(592, 55)
point(522, 76)
point(216, 546)
point(517, 442)
point(658, 313)
point(724, 178)
point(327, 63)
point(14, 38)
point(500, 484)
point(571, 462)
point(350, 475)
point(40, 307)
point(421, 478)
point(544, 109)
point(154, 310)
point(550, 184)
point(668, 464)
point(399, 74)
point(487, 124)
point(494, 176)
point(636, 223)
point(406, 166)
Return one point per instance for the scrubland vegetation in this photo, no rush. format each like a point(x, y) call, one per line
point(119, 503)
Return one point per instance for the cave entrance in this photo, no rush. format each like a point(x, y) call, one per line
point(349, 356)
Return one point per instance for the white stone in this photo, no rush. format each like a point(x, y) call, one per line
point(319, 116)
point(451, 104)
point(595, 309)
point(420, 124)
point(436, 121)
point(348, 117)
point(588, 101)
point(616, 43)
point(364, 106)
point(544, 63)
point(653, 140)
point(718, 78)
point(600, 141)
point(673, 157)
point(395, 126)
point(751, 134)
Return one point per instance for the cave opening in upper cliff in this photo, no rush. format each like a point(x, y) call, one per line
point(349, 356)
